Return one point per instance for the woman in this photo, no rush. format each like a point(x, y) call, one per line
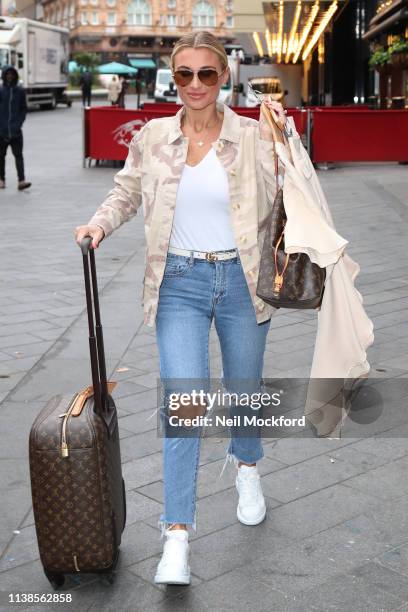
point(206, 179)
point(114, 90)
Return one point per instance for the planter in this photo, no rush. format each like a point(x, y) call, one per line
point(399, 60)
point(384, 69)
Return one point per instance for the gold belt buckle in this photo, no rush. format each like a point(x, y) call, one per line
point(211, 256)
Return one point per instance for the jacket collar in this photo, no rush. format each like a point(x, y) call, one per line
point(229, 129)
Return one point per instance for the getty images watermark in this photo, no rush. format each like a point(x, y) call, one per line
point(284, 407)
point(209, 401)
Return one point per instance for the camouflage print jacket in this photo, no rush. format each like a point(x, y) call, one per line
point(151, 175)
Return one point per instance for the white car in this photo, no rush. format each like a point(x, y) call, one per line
point(225, 94)
point(266, 86)
point(165, 89)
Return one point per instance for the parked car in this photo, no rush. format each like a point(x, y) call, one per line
point(225, 94)
point(267, 86)
point(165, 89)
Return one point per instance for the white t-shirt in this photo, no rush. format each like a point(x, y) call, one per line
point(202, 219)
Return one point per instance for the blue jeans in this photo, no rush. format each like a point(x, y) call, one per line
point(192, 293)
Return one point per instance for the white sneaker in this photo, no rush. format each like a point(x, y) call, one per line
point(251, 508)
point(173, 567)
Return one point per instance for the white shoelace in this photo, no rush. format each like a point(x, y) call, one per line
point(249, 487)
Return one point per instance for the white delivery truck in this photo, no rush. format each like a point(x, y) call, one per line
point(40, 53)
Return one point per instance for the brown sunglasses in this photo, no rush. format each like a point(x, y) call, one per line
point(207, 76)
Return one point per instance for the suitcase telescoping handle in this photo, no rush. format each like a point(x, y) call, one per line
point(96, 346)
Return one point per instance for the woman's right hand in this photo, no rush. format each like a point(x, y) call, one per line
point(94, 231)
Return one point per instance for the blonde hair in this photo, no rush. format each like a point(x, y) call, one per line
point(195, 40)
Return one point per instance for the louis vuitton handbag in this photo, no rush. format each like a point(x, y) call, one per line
point(285, 280)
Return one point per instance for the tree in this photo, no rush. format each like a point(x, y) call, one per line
point(88, 61)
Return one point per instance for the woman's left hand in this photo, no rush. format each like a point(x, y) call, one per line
point(276, 106)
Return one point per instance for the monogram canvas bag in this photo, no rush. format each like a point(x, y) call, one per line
point(285, 280)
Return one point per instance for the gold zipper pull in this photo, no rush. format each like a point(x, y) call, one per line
point(278, 282)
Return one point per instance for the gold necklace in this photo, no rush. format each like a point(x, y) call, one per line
point(201, 143)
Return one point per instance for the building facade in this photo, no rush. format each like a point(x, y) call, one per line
point(387, 36)
point(119, 30)
point(324, 38)
point(320, 49)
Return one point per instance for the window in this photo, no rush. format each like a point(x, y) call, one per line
point(203, 15)
point(111, 20)
point(83, 2)
point(111, 3)
point(172, 20)
point(230, 21)
point(72, 15)
point(94, 2)
point(171, 4)
point(84, 18)
point(4, 57)
point(164, 78)
point(95, 18)
point(65, 16)
point(139, 13)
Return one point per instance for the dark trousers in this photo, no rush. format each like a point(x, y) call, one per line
point(121, 100)
point(86, 97)
point(16, 144)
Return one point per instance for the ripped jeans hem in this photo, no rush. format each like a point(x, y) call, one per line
point(231, 458)
point(163, 525)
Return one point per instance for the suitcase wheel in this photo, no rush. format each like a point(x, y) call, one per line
point(56, 580)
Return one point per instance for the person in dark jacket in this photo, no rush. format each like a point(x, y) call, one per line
point(13, 108)
point(124, 87)
point(86, 86)
point(138, 88)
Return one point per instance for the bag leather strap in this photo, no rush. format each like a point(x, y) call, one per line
point(275, 126)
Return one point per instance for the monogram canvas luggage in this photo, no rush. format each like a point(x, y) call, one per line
point(77, 487)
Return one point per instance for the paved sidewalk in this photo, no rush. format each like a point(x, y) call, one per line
point(336, 532)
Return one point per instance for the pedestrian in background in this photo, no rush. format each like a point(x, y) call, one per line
point(123, 89)
point(114, 89)
point(86, 87)
point(138, 88)
point(13, 108)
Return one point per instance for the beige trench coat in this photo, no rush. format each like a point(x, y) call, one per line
point(344, 330)
point(114, 89)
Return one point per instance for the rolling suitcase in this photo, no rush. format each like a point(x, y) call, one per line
point(77, 487)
